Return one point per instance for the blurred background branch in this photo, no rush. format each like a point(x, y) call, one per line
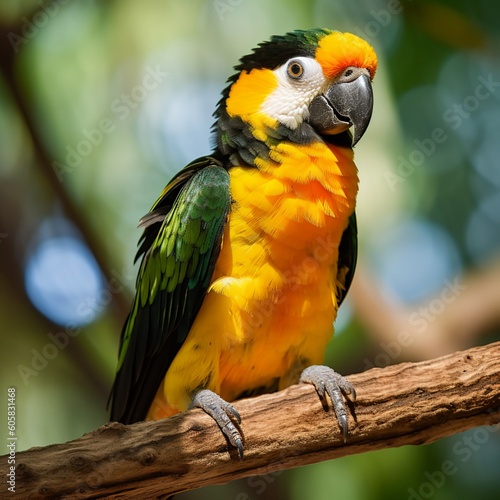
point(465, 311)
point(13, 79)
point(10, 35)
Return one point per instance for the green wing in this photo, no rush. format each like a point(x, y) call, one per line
point(348, 256)
point(180, 246)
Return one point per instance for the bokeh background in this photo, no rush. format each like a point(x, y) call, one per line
point(103, 101)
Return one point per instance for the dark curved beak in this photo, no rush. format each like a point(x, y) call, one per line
point(342, 106)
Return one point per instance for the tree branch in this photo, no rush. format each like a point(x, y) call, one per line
point(409, 403)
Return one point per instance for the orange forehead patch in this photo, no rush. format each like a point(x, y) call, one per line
point(338, 51)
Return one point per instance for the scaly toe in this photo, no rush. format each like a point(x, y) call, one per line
point(223, 413)
point(326, 380)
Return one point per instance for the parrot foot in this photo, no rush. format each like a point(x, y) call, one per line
point(326, 380)
point(223, 413)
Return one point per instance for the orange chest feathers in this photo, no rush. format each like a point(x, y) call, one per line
point(278, 263)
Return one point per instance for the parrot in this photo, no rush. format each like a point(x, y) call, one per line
point(248, 252)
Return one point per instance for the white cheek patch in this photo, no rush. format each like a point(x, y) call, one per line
point(290, 100)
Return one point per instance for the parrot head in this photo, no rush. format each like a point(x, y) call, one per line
point(299, 86)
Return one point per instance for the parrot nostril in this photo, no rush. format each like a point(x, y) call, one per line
point(352, 73)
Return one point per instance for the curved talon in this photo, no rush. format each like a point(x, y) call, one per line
point(223, 413)
point(344, 426)
point(327, 381)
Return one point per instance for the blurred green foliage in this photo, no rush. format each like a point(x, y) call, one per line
point(103, 101)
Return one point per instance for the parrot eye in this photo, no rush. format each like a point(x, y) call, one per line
point(295, 69)
point(300, 80)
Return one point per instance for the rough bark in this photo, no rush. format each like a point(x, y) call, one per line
point(405, 404)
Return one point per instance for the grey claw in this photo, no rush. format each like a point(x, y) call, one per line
point(327, 381)
point(240, 447)
point(233, 412)
point(344, 426)
point(223, 413)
